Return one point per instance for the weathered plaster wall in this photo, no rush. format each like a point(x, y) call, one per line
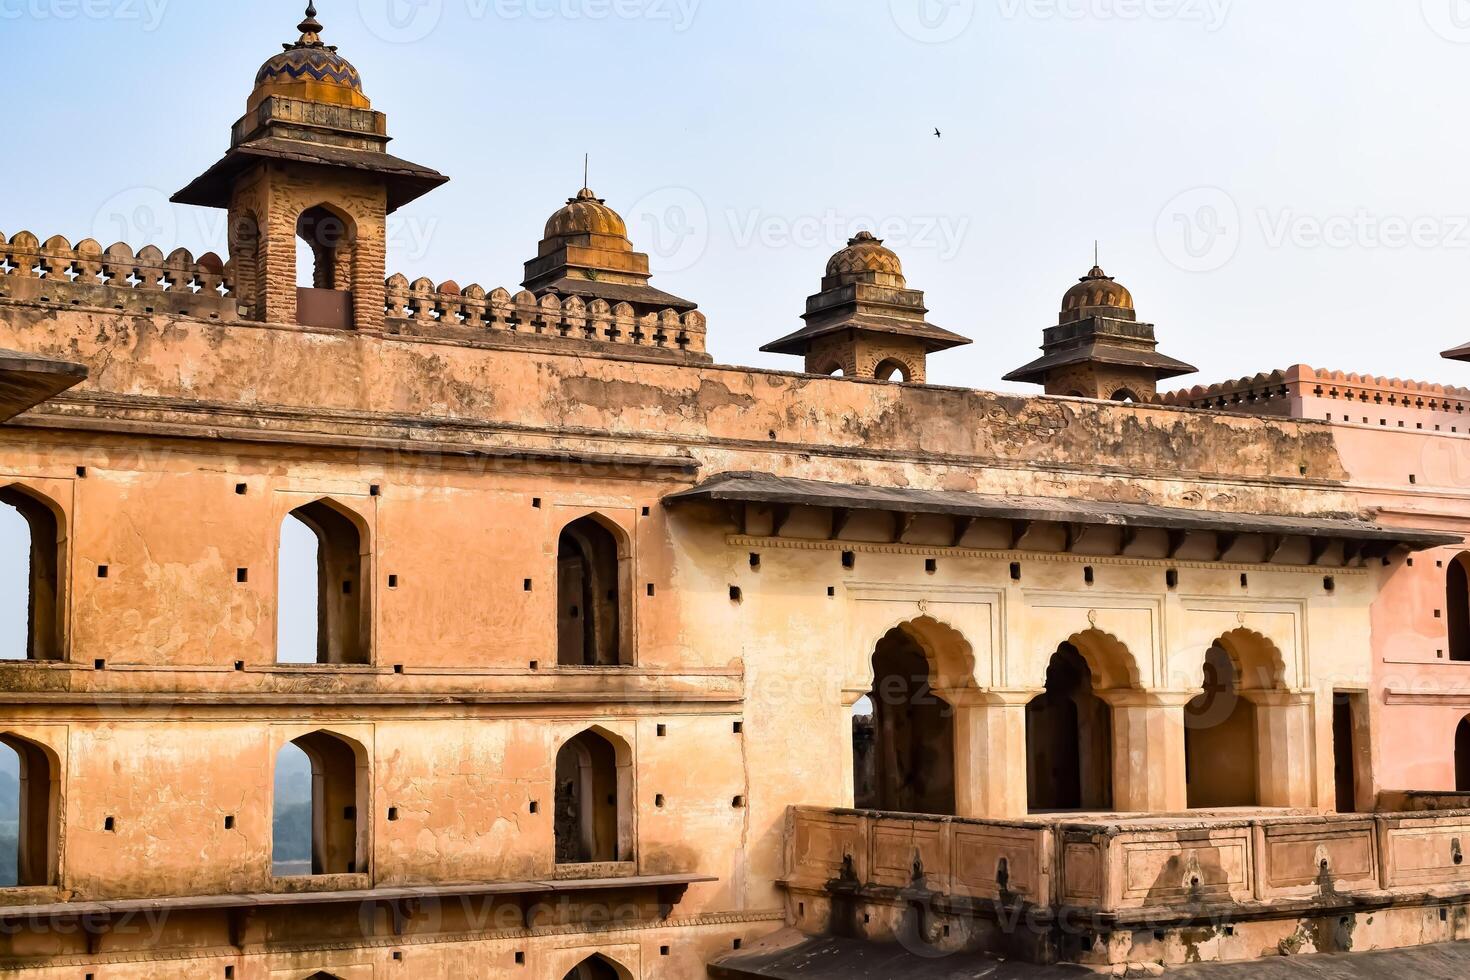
point(179, 727)
point(1420, 695)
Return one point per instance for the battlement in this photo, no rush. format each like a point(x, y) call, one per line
point(86, 274)
point(446, 310)
point(1306, 392)
point(148, 282)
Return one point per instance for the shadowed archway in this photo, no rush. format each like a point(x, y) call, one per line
point(904, 730)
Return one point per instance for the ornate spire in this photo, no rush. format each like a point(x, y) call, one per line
point(311, 31)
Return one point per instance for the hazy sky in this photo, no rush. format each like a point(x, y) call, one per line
point(1275, 181)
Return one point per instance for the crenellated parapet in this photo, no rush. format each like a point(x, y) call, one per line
point(1302, 380)
point(449, 311)
point(149, 282)
point(1335, 396)
point(116, 277)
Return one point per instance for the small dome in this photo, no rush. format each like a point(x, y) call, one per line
point(865, 253)
point(586, 214)
point(1096, 289)
point(310, 70)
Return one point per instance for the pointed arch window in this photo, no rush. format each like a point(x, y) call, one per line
point(30, 571)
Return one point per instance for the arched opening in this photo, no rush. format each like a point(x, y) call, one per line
point(891, 370)
point(1220, 739)
point(245, 258)
point(28, 794)
point(291, 814)
point(590, 802)
point(324, 268)
point(30, 579)
point(864, 754)
point(323, 572)
point(596, 968)
point(1125, 395)
point(903, 751)
point(330, 767)
point(591, 625)
point(1069, 739)
point(1462, 757)
point(319, 975)
point(1457, 607)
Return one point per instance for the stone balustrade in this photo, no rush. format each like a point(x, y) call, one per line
point(1146, 869)
point(148, 282)
point(447, 310)
point(115, 278)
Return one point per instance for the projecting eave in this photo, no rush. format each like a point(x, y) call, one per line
point(1365, 537)
point(27, 380)
point(934, 338)
point(1162, 365)
point(1461, 353)
point(406, 182)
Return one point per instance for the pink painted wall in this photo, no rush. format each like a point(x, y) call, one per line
point(1413, 477)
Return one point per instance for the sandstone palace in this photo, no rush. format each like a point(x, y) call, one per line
point(626, 664)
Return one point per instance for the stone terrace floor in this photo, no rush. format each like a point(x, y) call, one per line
point(791, 956)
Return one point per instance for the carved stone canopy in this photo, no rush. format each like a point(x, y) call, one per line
point(866, 317)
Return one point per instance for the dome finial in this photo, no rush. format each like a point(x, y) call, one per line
point(310, 28)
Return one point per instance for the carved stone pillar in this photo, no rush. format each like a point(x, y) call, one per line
point(1149, 774)
point(990, 752)
point(1285, 748)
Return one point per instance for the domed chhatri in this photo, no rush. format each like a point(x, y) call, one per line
point(866, 322)
point(1095, 291)
point(586, 252)
point(1098, 349)
point(865, 253)
point(310, 154)
point(587, 214)
point(310, 70)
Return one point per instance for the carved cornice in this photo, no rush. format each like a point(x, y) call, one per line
point(797, 544)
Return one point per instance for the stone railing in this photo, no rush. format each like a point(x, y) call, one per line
point(449, 311)
point(55, 271)
point(1154, 870)
point(1309, 384)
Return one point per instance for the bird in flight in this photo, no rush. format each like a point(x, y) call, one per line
point(937, 133)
